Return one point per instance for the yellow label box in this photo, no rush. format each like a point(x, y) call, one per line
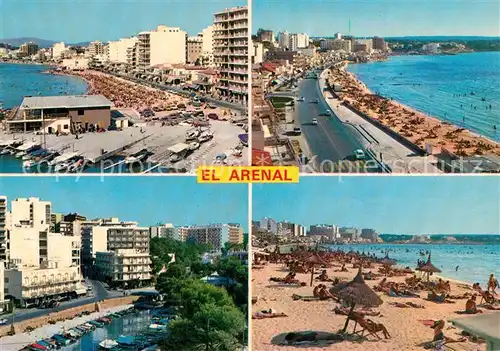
point(227, 174)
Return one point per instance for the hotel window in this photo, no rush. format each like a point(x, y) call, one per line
point(81, 112)
point(65, 126)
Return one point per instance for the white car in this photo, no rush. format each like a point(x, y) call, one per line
point(297, 130)
point(300, 99)
point(314, 121)
point(314, 101)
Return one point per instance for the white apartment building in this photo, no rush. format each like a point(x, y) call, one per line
point(208, 40)
point(165, 45)
point(57, 50)
point(230, 34)
point(163, 231)
point(194, 49)
point(117, 50)
point(298, 41)
point(3, 229)
point(215, 235)
point(96, 48)
point(127, 268)
point(258, 52)
point(41, 265)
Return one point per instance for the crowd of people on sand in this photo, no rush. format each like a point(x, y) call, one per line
point(413, 125)
point(127, 94)
point(303, 261)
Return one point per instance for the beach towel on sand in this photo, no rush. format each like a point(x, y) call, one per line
point(307, 338)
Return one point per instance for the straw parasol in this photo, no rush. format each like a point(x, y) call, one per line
point(387, 262)
point(356, 292)
point(428, 268)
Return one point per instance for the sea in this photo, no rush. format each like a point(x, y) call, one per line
point(462, 89)
point(20, 80)
point(475, 262)
point(128, 325)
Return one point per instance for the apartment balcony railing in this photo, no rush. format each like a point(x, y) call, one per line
point(49, 282)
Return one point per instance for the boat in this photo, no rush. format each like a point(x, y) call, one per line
point(63, 158)
point(191, 135)
point(157, 327)
point(21, 154)
point(194, 145)
point(127, 341)
point(5, 151)
point(104, 320)
point(28, 164)
point(61, 340)
point(62, 166)
point(205, 136)
point(37, 346)
point(108, 344)
point(97, 324)
point(137, 157)
point(75, 166)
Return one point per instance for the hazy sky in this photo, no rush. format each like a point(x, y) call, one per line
point(75, 21)
point(148, 200)
point(379, 17)
point(395, 205)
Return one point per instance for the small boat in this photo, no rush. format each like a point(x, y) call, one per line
point(75, 166)
point(192, 135)
point(137, 157)
point(205, 136)
point(61, 340)
point(21, 154)
point(37, 346)
point(97, 324)
point(5, 151)
point(193, 146)
point(27, 157)
point(104, 320)
point(28, 164)
point(108, 344)
point(61, 166)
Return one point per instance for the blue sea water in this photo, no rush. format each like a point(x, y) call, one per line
point(431, 84)
point(476, 262)
point(128, 325)
point(17, 81)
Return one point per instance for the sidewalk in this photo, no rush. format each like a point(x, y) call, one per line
point(388, 150)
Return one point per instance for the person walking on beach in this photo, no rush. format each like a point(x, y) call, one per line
point(492, 284)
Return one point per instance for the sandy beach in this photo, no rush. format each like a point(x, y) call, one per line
point(416, 126)
point(403, 324)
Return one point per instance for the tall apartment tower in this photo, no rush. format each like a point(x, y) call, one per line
point(3, 228)
point(230, 35)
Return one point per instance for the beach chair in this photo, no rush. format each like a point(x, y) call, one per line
point(368, 326)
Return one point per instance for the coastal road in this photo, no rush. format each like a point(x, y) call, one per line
point(330, 140)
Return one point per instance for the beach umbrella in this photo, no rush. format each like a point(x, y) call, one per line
point(314, 260)
point(356, 292)
point(428, 268)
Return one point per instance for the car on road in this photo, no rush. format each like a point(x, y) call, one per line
point(326, 113)
point(297, 130)
point(314, 121)
point(3, 321)
point(300, 99)
point(359, 154)
point(314, 101)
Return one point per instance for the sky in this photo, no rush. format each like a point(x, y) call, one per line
point(147, 200)
point(379, 17)
point(74, 21)
point(390, 205)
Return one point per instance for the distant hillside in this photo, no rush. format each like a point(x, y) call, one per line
point(43, 43)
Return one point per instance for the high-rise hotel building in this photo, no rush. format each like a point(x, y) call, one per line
point(230, 35)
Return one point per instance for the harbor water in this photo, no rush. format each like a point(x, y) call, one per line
point(475, 262)
point(128, 325)
point(20, 80)
point(461, 89)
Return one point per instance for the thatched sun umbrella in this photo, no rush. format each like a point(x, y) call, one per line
point(428, 268)
point(356, 292)
point(313, 260)
point(387, 262)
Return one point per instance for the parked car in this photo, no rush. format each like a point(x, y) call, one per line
point(314, 121)
point(359, 154)
point(297, 130)
point(213, 116)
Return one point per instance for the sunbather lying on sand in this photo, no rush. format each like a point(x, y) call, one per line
point(289, 279)
point(270, 313)
point(343, 269)
point(432, 296)
point(395, 292)
point(303, 337)
point(406, 305)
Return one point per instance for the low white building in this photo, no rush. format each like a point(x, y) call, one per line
point(76, 64)
point(126, 268)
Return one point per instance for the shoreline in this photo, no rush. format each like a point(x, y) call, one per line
point(406, 120)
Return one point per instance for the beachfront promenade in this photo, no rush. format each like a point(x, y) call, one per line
point(387, 149)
